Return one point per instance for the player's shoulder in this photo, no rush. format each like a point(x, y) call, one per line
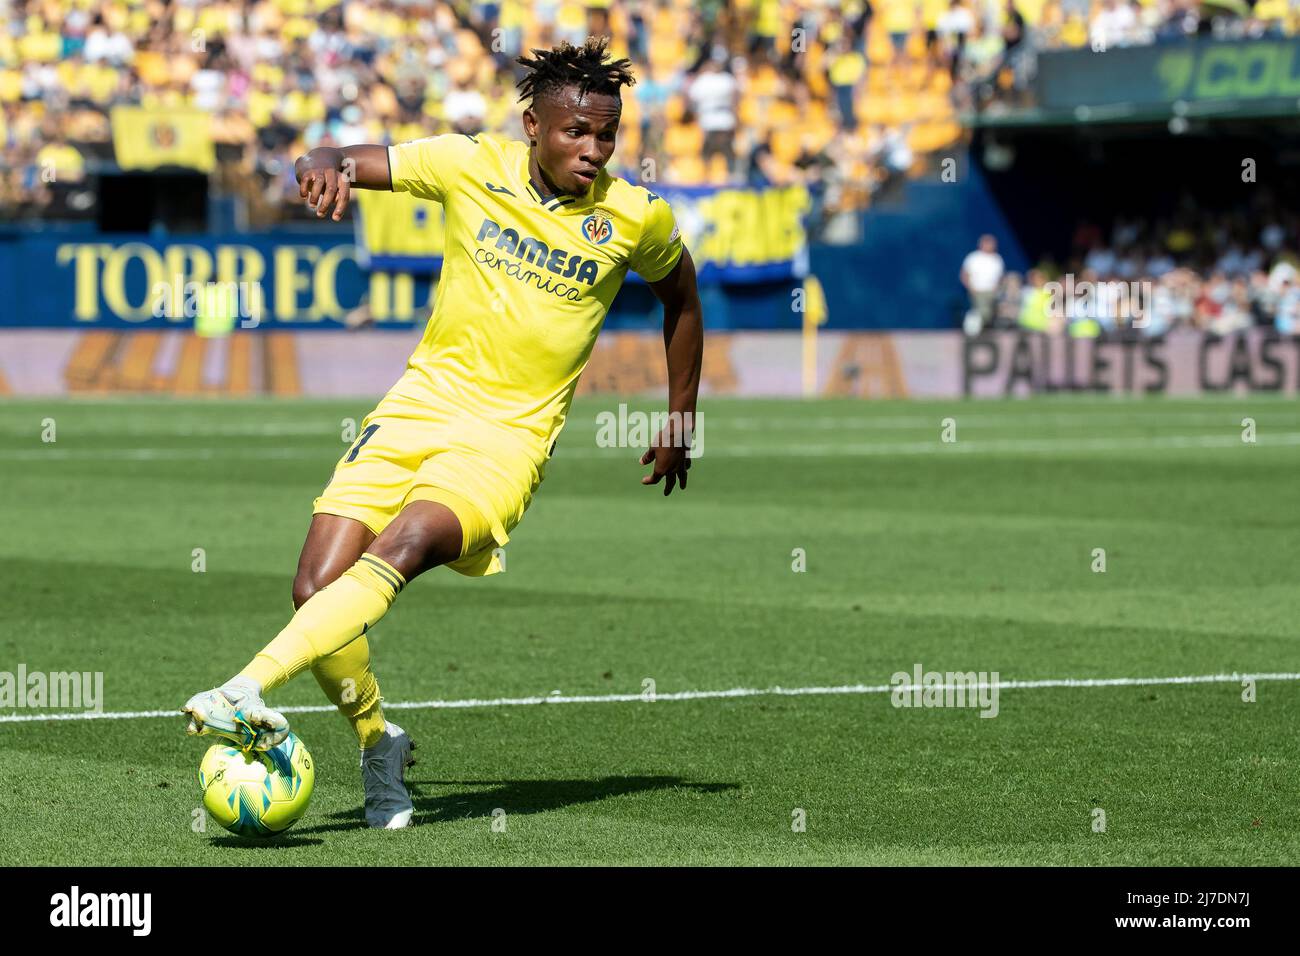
point(636, 202)
point(496, 143)
point(492, 154)
point(465, 144)
point(452, 161)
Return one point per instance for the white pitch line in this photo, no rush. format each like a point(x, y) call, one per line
point(733, 692)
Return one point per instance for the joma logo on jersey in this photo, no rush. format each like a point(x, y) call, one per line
point(598, 228)
point(562, 263)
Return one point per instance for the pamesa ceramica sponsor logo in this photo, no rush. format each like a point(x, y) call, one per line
point(512, 255)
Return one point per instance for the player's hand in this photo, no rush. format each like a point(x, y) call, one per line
point(668, 452)
point(325, 187)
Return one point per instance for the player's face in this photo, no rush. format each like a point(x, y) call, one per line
point(575, 137)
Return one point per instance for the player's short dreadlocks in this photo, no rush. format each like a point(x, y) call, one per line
point(587, 67)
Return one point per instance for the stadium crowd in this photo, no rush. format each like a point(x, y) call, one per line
point(1215, 272)
point(843, 95)
point(993, 61)
point(741, 92)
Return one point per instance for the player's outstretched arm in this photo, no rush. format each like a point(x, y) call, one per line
point(327, 174)
point(684, 346)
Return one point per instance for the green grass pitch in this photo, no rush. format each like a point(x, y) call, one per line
point(974, 555)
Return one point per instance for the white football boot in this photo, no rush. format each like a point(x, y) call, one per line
point(383, 775)
point(236, 712)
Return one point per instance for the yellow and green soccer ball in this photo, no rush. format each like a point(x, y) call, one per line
point(257, 793)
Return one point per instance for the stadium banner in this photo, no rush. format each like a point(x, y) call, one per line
point(1192, 72)
point(151, 138)
point(735, 235)
point(304, 280)
point(743, 364)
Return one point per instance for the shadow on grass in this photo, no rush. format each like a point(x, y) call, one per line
point(516, 796)
point(283, 842)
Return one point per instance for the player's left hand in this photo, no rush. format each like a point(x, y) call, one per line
point(668, 452)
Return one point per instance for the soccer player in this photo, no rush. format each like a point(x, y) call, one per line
point(539, 240)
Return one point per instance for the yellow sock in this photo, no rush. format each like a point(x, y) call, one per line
point(347, 680)
point(332, 618)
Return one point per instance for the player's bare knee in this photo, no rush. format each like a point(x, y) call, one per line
point(305, 584)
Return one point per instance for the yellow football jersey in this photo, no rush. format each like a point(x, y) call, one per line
point(527, 279)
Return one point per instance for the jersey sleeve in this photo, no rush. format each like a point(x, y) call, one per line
point(660, 245)
point(426, 168)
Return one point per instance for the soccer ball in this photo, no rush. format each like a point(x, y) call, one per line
point(257, 793)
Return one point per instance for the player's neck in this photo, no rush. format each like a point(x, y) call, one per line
point(542, 182)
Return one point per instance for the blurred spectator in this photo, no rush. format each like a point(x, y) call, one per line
point(981, 274)
point(713, 96)
point(893, 155)
point(59, 161)
point(107, 46)
point(1114, 23)
point(762, 167)
point(899, 17)
point(1288, 307)
point(846, 73)
point(1010, 300)
point(464, 106)
point(1201, 268)
point(952, 28)
point(1035, 305)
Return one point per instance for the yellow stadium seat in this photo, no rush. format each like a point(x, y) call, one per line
point(11, 86)
point(683, 139)
point(874, 110)
point(786, 144)
point(629, 140)
point(467, 43)
point(782, 112)
point(763, 81)
point(931, 106)
point(687, 170)
point(383, 100)
point(718, 174)
point(879, 49)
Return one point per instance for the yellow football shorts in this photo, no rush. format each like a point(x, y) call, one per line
point(406, 452)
